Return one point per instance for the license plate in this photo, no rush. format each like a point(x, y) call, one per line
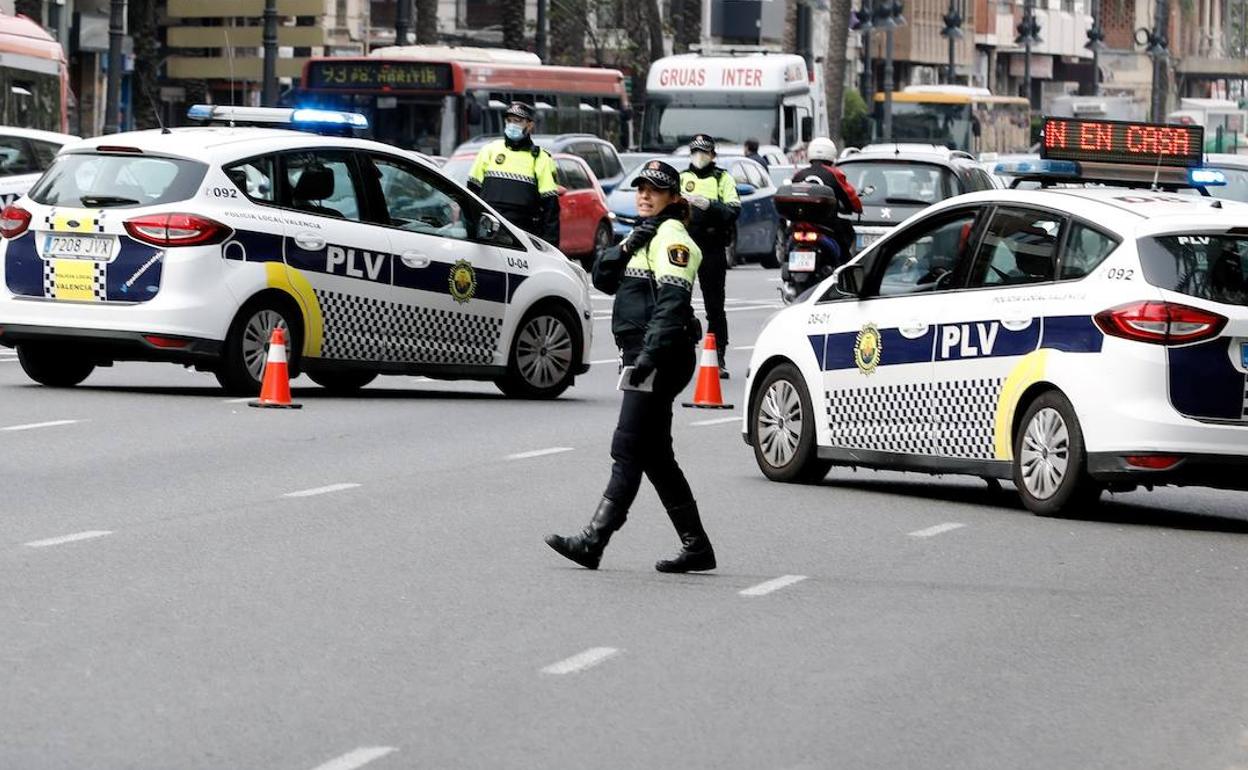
point(802, 261)
point(866, 239)
point(96, 247)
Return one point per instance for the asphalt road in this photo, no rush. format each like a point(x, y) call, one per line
point(169, 603)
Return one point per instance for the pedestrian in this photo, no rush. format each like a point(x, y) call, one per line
point(517, 177)
point(651, 274)
point(712, 196)
point(751, 152)
point(822, 170)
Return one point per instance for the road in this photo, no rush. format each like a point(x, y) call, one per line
point(190, 583)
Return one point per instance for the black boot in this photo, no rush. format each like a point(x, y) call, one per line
point(586, 548)
point(723, 367)
point(696, 553)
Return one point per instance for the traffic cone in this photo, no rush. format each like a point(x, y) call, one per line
point(275, 391)
point(707, 394)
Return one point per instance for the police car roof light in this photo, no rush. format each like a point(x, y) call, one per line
point(309, 115)
point(303, 117)
point(1206, 177)
point(1064, 169)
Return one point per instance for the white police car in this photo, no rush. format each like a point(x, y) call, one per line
point(25, 153)
point(191, 245)
point(1071, 339)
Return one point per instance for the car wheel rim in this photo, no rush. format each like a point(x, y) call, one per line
point(1045, 454)
point(256, 340)
point(779, 425)
point(544, 352)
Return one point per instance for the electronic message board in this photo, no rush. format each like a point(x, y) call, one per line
point(1112, 141)
point(355, 75)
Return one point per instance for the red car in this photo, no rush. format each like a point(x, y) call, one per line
point(584, 224)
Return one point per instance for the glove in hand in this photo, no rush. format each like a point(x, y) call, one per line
point(640, 236)
point(699, 201)
point(642, 368)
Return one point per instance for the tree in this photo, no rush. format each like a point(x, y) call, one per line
point(686, 24)
point(569, 25)
point(145, 81)
point(838, 42)
point(513, 24)
point(427, 22)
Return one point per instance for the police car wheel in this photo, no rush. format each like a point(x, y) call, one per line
point(241, 370)
point(782, 429)
point(55, 366)
point(772, 259)
point(344, 382)
point(542, 357)
point(1050, 461)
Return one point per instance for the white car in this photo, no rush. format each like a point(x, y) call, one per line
point(25, 153)
point(191, 245)
point(1072, 340)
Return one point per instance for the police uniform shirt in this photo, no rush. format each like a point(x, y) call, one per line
point(515, 181)
point(656, 293)
point(718, 186)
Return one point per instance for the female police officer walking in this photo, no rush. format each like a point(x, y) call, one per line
point(651, 275)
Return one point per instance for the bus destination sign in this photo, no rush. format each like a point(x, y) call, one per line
point(378, 75)
point(1112, 141)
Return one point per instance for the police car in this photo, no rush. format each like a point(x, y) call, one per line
point(191, 245)
point(1072, 339)
point(25, 153)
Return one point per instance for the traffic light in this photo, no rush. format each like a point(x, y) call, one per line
point(1096, 37)
point(1028, 29)
point(887, 14)
point(861, 18)
point(953, 24)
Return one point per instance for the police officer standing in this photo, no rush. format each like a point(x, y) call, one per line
point(712, 195)
point(517, 177)
point(651, 275)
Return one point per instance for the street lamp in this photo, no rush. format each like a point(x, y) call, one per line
point(953, 31)
point(1156, 45)
point(1096, 44)
point(888, 17)
point(1028, 35)
point(863, 24)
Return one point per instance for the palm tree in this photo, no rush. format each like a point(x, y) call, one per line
point(145, 82)
point(426, 22)
point(513, 24)
point(838, 41)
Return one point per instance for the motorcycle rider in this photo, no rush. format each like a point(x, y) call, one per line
point(821, 152)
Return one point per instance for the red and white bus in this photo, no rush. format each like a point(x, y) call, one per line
point(34, 81)
point(432, 98)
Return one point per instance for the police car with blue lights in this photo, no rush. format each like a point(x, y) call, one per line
point(191, 245)
point(1072, 338)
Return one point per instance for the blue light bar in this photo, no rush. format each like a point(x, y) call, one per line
point(1206, 177)
point(1034, 168)
point(200, 112)
point(308, 115)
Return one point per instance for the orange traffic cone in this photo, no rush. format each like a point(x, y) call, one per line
point(275, 392)
point(707, 395)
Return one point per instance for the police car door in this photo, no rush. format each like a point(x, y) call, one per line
point(877, 350)
point(345, 259)
point(985, 335)
point(450, 280)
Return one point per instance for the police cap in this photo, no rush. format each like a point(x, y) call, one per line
point(702, 143)
point(658, 174)
point(520, 110)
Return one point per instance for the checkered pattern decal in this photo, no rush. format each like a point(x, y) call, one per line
point(52, 221)
point(99, 280)
point(363, 329)
point(1246, 398)
point(944, 419)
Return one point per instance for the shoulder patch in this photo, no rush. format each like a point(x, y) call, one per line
point(678, 255)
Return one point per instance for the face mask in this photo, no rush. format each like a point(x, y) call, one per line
point(700, 160)
point(513, 132)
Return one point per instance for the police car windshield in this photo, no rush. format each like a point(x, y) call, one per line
point(117, 181)
point(1210, 267)
point(892, 183)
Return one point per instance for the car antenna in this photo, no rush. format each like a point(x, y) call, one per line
point(230, 59)
point(156, 111)
point(1157, 168)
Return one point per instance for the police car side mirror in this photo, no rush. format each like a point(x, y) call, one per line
point(488, 226)
point(849, 280)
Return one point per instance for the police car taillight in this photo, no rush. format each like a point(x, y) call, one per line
point(176, 230)
point(14, 221)
point(1161, 323)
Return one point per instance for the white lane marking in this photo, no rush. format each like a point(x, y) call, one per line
point(939, 529)
point(321, 490)
point(242, 400)
point(34, 425)
point(742, 347)
point(581, 661)
point(7, 360)
point(716, 421)
point(605, 361)
point(358, 758)
point(69, 538)
point(554, 450)
point(762, 589)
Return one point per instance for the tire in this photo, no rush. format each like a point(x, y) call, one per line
point(782, 454)
point(772, 259)
point(55, 366)
point(542, 360)
point(345, 383)
point(241, 370)
point(1050, 463)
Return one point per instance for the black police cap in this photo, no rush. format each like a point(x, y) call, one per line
point(521, 110)
point(702, 143)
point(660, 175)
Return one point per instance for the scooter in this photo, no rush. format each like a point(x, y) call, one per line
point(814, 248)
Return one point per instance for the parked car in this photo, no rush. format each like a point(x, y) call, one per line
point(25, 154)
point(584, 220)
point(760, 234)
point(600, 154)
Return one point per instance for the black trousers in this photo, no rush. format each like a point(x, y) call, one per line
point(712, 275)
point(642, 445)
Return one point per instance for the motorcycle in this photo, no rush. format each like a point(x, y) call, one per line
point(817, 242)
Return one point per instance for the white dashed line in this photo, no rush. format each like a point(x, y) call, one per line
point(716, 421)
point(601, 361)
point(7, 360)
point(321, 490)
point(939, 529)
point(742, 347)
point(762, 589)
point(68, 538)
point(554, 450)
point(581, 661)
point(358, 758)
point(34, 425)
point(242, 400)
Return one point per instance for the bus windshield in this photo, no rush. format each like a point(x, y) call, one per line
point(669, 126)
point(948, 125)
